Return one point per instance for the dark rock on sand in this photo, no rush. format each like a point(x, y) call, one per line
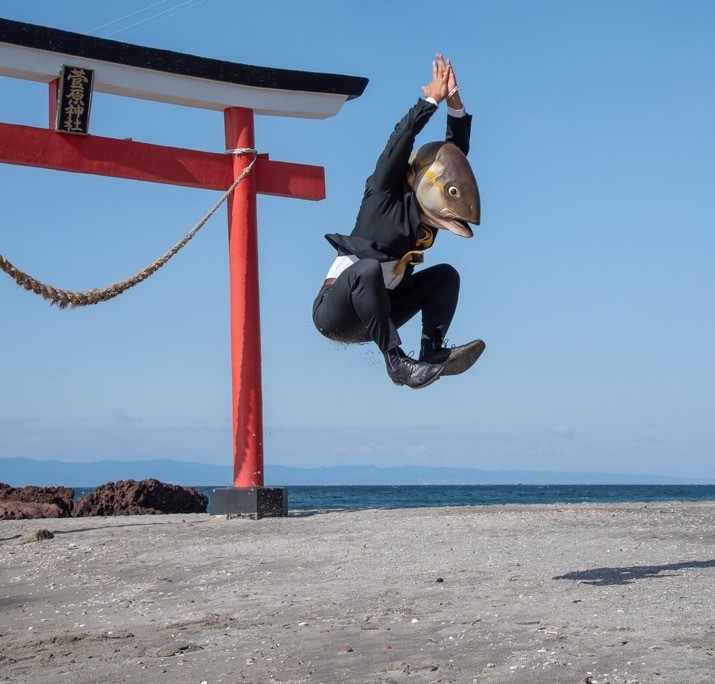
point(61, 497)
point(147, 497)
point(37, 535)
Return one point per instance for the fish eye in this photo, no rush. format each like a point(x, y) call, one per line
point(453, 190)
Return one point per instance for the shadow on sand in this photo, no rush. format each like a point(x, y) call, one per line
point(207, 518)
point(601, 577)
point(76, 530)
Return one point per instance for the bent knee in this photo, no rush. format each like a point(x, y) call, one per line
point(448, 273)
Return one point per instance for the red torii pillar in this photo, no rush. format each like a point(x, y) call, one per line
point(245, 309)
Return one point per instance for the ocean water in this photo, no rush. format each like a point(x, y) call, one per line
point(353, 497)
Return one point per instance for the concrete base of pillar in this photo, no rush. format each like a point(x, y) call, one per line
point(249, 502)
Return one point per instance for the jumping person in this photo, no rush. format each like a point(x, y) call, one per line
point(371, 290)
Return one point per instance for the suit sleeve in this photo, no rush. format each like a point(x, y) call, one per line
point(392, 164)
point(458, 131)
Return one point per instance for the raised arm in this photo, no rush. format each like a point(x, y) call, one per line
point(392, 164)
point(458, 127)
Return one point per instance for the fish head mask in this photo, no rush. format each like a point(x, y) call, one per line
point(445, 188)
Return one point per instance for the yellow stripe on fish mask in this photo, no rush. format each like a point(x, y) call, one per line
point(423, 167)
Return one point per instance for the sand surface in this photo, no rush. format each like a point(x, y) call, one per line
point(561, 593)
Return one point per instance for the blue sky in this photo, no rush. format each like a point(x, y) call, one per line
point(590, 278)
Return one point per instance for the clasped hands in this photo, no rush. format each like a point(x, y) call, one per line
point(444, 83)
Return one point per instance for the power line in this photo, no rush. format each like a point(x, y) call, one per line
point(126, 16)
point(147, 21)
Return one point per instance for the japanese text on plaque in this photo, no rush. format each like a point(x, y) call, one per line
point(74, 99)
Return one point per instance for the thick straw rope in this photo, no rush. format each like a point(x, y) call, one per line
point(73, 299)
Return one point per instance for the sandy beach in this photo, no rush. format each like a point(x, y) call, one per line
point(560, 593)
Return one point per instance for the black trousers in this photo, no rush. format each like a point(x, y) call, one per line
point(359, 308)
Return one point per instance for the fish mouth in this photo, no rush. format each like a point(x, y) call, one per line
point(452, 224)
point(457, 227)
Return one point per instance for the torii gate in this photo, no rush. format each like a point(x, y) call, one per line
point(39, 53)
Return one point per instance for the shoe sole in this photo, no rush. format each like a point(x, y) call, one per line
point(464, 359)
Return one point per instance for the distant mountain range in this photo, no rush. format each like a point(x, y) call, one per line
point(24, 471)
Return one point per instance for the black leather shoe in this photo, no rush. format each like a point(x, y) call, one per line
point(455, 360)
point(414, 374)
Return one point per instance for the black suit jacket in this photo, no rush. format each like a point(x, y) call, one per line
point(386, 225)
